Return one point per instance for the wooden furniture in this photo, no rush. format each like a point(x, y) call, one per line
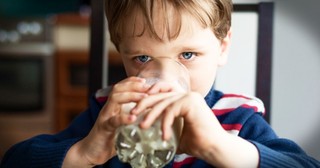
point(72, 86)
point(71, 77)
point(77, 72)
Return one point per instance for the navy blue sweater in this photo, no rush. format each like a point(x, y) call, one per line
point(239, 115)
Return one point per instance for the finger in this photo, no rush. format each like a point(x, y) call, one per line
point(160, 87)
point(150, 101)
point(115, 101)
point(131, 84)
point(134, 78)
point(117, 120)
point(158, 109)
point(170, 115)
point(126, 97)
point(167, 122)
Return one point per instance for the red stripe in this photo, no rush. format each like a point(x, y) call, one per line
point(255, 108)
point(231, 126)
point(102, 99)
point(235, 95)
point(218, 112)
point(184, 162)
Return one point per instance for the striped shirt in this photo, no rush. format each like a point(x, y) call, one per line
point(239, 115)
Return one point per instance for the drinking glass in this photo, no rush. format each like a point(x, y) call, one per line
point(145, 147)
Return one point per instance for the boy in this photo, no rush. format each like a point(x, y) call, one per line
point(197, 34)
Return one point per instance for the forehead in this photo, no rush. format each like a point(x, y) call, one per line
point(162, 22)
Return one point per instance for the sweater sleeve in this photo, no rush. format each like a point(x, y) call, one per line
point(50, 150)
point(274, 151)
point(40, 151)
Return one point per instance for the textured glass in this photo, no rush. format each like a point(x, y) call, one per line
point(145, 147)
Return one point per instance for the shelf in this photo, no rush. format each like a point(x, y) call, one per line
point(72, 19)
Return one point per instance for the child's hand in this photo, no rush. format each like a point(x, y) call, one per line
point(98, 146)
point(199, 120)
point(202, 135)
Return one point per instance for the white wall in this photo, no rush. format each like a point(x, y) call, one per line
point(296, 73)
point(295, 102)
point(239, 75)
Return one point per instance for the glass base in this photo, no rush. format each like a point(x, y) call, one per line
point(144, 147)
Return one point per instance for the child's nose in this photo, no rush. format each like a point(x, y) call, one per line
point(166, 69)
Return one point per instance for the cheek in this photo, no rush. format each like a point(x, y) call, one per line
point(130, 71)
point(202, 79)
point(203, 75)
point(129, 66)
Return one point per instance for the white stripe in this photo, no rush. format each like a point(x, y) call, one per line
point(230, 102)
point(233, 132)
point(235, 102)
point(181, 157)
point(257, 103)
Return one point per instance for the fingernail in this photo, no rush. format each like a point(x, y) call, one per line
point(146, 86)
point(143, 125)
point(132, 117)
point(143, 80)
point(152, 91)
point(134, 111)
point(143, 95)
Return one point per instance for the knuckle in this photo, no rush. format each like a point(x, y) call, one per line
point(116, 86)
point(137, 86)
point(132, 78)
point(112, 96)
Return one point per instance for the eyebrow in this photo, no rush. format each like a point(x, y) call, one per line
point(143, 52)
point(190, 48)
point(133, 52)
point(194, 46)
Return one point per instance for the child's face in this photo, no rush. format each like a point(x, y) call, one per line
point(197, 48)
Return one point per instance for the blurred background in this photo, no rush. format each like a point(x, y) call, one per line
point(44, 55)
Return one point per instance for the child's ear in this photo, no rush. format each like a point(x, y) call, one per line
point(225, 45)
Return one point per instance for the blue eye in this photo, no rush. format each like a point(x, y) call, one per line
point(143, 58)
point(187, 55)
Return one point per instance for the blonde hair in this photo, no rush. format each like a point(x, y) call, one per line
point(215, 14)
